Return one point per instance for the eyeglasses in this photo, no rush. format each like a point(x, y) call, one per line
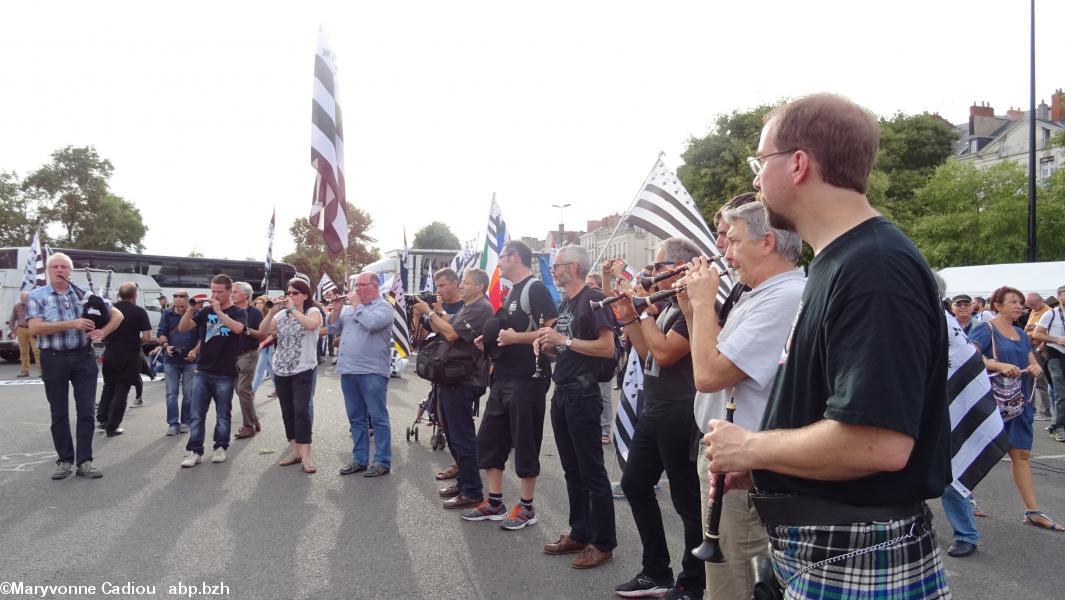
point(757, 163)
point(294, 293)
point(181, 296)
point(662, 265)
point(558, 264)
point(357, 284)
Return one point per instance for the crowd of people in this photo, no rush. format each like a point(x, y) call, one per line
point(812, 407)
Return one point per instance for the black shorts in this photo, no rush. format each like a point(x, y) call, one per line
point(513, 418)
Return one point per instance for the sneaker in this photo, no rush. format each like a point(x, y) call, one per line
point(1059, 436)
point(519, 517)
point(137, 403)
point(682, 593)
point(1043, 417)
point(219, 455)
point(23, 375)
point(616, 491)
point(486, 512)
point(172, 430)
point(116, 432)
point(351, 468)
point(183, 428)
point(62, 470)
point(87, 469)
point(642, 586)
point(191, 459)
point(377, 471)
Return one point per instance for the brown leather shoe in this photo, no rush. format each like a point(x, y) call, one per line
point(461, 501)
point(564, 545)
point(450, 491)
point(448, 473)
point(244, 432)
point(591, 557)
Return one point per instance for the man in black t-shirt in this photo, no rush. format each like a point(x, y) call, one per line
point(247, 359)
point(661, 441)
point(582, 339)
point(219, 328)
point(856, 432)
point(514, 413)
point(122, 359)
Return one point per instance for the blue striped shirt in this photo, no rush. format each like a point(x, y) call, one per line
point(48, 304)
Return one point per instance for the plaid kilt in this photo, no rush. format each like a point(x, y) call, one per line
point(912, 568)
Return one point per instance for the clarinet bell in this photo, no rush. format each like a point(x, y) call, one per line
point(709, 551)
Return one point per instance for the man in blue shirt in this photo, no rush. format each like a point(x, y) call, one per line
point(365, 330)
point(65, 335)
point(179, 363)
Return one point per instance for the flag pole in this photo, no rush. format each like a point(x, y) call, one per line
point(627, 210)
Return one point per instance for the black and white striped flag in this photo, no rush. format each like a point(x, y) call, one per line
point(400, 322)
point(325, 285)
point(34, 266)
point(329, 204)
point(42, 265)
point(977, 434)
point(270, 253)
point(628, 407)
point(467, 257)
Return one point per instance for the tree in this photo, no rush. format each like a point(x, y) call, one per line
point(436, 236)
point(17, 220)
point(911, 148)
point(979, 216)
point(73, 189)
point(312, 258)
point(194, 253)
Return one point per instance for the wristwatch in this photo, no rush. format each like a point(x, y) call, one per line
point(645, 315)
point(569, 342)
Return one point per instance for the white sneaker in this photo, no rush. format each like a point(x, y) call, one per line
point(219, 455)
point(191, 459)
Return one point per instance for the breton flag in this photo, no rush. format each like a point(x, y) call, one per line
point(328, 204)
point(107, 284)
point(29, 280)
point(270, 253)
point(42, 266)
point(977, 434)
point(664, 208)
point(494, 239)
point(400, 327)
point(466, 258)
point(628, 407)
point(325, 284)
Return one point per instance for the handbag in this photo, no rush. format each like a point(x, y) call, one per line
point(442, 363)
point(1009, 396)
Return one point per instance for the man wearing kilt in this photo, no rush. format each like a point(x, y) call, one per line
point(855, 436)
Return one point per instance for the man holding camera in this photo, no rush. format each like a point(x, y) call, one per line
point(447, 290)
point(456, 402)
point(179, 363)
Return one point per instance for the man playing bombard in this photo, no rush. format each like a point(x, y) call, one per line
point(855, 435)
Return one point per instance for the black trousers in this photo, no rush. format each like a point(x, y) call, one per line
point(575, 415)
point(122, 370)
point(294, 396)
point(661, 443)
point(456, 409)
point(62, 370)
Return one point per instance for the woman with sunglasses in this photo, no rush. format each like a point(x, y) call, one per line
point(295, 323)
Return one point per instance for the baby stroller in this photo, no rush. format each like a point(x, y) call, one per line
point(430, 410)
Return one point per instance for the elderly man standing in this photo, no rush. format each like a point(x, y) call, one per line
point(1045, 403)
point(18, 328)
point(247, 359)
point(65, 337)
point(365, 330)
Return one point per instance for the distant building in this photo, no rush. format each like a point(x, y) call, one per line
point(631, 244)
point(988, 139)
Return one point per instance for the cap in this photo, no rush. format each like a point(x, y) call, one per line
point(962, 298)
point(1061, 289)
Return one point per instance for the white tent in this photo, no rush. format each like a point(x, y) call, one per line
point(1043, 278)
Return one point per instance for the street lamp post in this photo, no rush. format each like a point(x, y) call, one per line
point(561, 222)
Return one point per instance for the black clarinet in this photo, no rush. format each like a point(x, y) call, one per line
point(539, 374)
point(710, 550)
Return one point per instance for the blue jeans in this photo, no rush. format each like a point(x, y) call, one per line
point(61, 371)
point(362, 394)
point(263, 367)
point(178, 374)
point(206, 386)
point(959, 512)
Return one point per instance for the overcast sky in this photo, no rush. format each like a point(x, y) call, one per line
point(204, 107)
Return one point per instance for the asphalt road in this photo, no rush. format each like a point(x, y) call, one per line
point(275, 533)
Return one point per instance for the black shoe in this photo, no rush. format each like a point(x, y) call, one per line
point(351, 468)
point(682, 593)
point(377, 471)
point(101, 426)
point(961, 548)
point(137, 403)
point(642, 585)
point(117, 431)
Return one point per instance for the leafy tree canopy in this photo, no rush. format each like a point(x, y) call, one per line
point(312, 258)
point(436, 236)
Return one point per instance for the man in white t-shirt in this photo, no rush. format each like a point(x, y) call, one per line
point(738, 362)
point(1051, 329)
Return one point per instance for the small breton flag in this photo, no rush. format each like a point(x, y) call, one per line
point(325, 284)
point(628, 407)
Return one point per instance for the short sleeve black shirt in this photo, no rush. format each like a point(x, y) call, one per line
point(517, 361)
point(127, 336)
point(255, 319)
point(218, 345)
point(578, 320)
point(868, 347)
point(670, 390)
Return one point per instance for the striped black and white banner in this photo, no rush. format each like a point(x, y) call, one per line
point(977, 435)
point(400, 322)
point(664, 208)
point(269, 254)
point(36, 272)
point(329, 204)
point(628, 407)
point(325, 285)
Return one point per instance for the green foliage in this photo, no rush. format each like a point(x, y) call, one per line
point(312, 258)
point(73, 190)
point(715, 166)
point(976, 216)
point(436, 236)
point(17, 220)
point(194, 253)
point(911, 147)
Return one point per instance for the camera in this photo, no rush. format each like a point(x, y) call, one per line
point(269, 304)
point(426, 295)
point(179, 352)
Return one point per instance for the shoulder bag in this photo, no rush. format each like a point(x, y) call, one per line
point(1007, 390)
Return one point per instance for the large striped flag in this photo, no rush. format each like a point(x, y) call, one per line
point(42, 265)
point(270, 253)
point(325, 285)
point(977, 435)
point(400, 326)
point(628, 407)
point(467, 257)
point(29, 279)
point(495, 237)
point(328, 205)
